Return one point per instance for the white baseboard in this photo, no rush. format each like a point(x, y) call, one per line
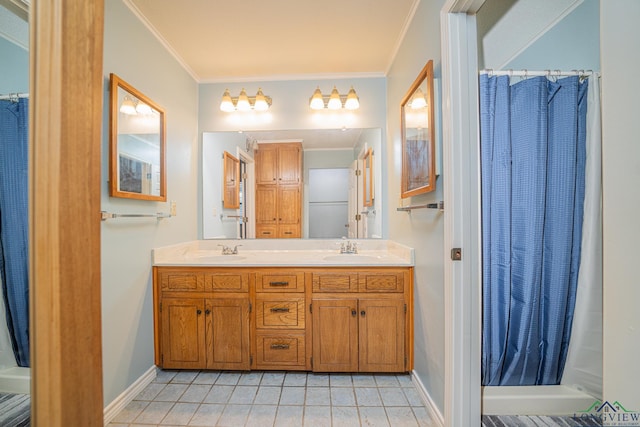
point(429, 404)
point(128, 395)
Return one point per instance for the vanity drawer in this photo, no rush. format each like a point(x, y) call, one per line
point(280, 351)
point(227, 282)
point(390, 281)
point(180, 280)
point(334, 281)
point(289, 231)
point(280, 313)
point(267, 231)
point(275, 282)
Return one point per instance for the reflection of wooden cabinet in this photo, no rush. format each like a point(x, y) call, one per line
point(278, 164)
point(278, 190)
point(335, 319)
point(231, 182)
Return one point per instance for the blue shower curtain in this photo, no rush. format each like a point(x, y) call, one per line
point(533, 161)
point(14, 222)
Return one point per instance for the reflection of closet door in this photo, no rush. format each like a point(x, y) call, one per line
point(288, 205)
point(231, 190)
point(289, 159)
point(266, 205)
point(267, 164)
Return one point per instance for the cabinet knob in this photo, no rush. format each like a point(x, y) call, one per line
point(207, 311)
point(362, 313)
point(354, 313)
point(199, 312)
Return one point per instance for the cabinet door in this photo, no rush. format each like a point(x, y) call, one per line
point(183, 333)
point(231, 173)
point(267, 164)
point(266, 205)
point(381, 335)
point(227, 333)
point(289, 164)
point(289, 205)
point(335, 335)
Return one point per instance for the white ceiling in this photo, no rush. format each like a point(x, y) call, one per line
point(250, 40)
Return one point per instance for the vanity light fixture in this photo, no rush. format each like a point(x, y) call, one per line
point(334, 101)
point(242, 102)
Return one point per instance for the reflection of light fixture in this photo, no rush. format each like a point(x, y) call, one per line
point(128, 106)
point(142, 108)
point(418, 100)
point(335, 101)
point(134, 107)
point(260, 102)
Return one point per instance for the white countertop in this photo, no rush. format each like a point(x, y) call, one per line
point(284, 252)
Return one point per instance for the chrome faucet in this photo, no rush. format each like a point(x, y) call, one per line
point(349, 247)
point(226, 250)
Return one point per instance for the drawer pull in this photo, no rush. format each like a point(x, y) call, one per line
point(266, 232)
point(280, 310)
point(278, 283)
point(279, 346)
point(288, 232)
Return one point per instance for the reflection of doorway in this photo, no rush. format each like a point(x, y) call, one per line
point(328, 203)
point(246, 212)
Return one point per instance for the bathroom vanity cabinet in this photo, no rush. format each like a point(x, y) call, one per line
point(328, 319)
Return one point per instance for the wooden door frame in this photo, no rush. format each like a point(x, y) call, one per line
point(65, 130)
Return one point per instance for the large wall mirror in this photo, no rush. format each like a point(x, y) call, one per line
point(418, 136)
point(136, 144)
point(333, 194)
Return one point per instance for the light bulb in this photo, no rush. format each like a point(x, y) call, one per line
point(352, 102)
point(227, 103)
point(316, 102)
point(243, 101)
point(261, 102)
point(418, 100)
point(334, 100)
point(128, 107)
point(143, 108)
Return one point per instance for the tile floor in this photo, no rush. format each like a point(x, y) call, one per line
point(261, 399)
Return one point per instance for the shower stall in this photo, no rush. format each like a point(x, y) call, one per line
point(542, 346)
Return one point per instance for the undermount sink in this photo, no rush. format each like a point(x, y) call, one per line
point(220, 258)
point(351, 258)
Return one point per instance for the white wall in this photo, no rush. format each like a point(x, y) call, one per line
point(421, 229)
point(131, 52)
point(14, 68)
point(619, 41)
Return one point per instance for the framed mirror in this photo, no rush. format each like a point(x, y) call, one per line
point(367, 178)
point(418, 136)
point(137, 129)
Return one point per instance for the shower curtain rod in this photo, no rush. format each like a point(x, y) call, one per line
point(12, 96)
point(548, 73)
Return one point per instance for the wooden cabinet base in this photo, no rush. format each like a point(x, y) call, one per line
point(337, 319)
